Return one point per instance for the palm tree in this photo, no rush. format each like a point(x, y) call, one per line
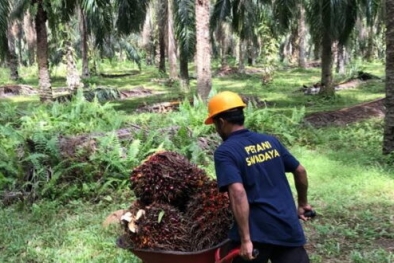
point(44, 79)
point(162, 35)
point(95, 20)
point(224, 36)
point(333, 22)
point(171, 43)
point(83, 28)
point(290, 17)
point(388, 140)
point(4, 15)
point(40, 19)
point(185, 27)
point(7, 41)
point(30, 37)
point(373, 19)
point(302, 36)
point(245, 17)
point(203, 47)
point(330, 22)
point(12, 58)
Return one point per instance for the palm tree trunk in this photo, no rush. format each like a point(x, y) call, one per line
point(327, 89)
point(241, 56)
point(172, 58)
point(295, 46)
point(388, 138)
point(17, 33)
point(30, 35)
point(340, 59)
point(370, 44)
point(252, 52)
point(73, 79)
point(184, 72)
point(147, 36)
point(162, 51)
point(84, 43)
point(203, 55)
point(162, 14)
point(12, 58)
point(302, 35)
point(224, 44)
point(44, 82)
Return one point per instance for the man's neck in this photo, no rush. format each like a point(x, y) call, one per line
point(237, 128)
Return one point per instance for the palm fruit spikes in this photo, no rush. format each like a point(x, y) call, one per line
point(159, 226)
point(209, 216)
point(166, 177)
point(178, 206)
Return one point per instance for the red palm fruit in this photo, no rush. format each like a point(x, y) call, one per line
point(167, 177)
point(161, 227)
point(209, 216)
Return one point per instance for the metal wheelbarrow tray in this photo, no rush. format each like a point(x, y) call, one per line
point(156, 256)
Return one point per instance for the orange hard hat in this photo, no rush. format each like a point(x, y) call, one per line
point(222, 102)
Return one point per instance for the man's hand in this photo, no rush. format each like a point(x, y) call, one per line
point(246, 250)
point(302, 210)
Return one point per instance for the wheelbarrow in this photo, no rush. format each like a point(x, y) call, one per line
point(217, 254)
point(210, 255)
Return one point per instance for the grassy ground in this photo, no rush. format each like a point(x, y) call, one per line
point(351, 189)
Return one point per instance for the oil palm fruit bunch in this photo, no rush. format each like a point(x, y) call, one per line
point(167, 177)
point(209, 216)
point(178, 207)
point(156, 226)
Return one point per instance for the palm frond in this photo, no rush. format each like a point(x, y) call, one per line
point(285, 12)
point(313, 15)
point(19, 8)
point(221, 12)
point(371, 9)
point(67, 8)
point(100, 23)
point(185, 26)
point(347, 14)
point(131, 15)
point(4, 14)
point(336, 18)
point(246, 18)
point(93, 6)
point(131, 51)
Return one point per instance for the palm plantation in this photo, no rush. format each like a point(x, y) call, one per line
point(113, 81)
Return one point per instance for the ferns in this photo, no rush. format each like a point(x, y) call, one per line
point(32, 145)
point(75, 117)
point(285, 127)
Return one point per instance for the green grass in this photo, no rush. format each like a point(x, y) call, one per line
point(49, 232)
point(354, 204)
point(351, 184)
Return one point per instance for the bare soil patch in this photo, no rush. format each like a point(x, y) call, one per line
point(16, 90)
point(386, 244)
point(347, 115)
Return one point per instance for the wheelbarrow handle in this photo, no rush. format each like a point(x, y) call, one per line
point(231, 255)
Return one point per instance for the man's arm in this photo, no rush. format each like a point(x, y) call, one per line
point(240, 207)
point(301, 184)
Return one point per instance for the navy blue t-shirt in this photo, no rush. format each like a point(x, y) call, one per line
point(260, 163)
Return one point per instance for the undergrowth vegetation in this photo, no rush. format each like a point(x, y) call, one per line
point(41, 141)
point(72, 161)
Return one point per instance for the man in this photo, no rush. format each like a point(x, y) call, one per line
point(252, 168)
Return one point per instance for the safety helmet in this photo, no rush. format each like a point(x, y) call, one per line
point(222, 102)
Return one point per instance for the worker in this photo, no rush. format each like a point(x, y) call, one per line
point(252, 168)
